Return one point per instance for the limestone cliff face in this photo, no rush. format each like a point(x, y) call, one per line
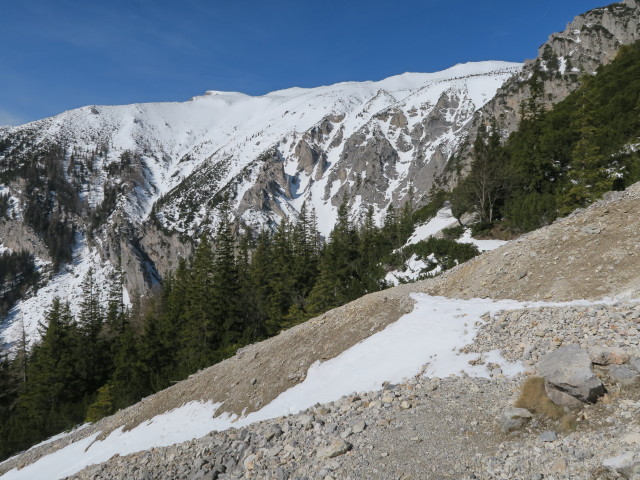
point(590, 40)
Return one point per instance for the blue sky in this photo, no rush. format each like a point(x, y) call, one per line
point(62, 54)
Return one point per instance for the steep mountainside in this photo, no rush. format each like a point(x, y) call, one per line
point(135, 185)
point(281, 375)
point(590, 40)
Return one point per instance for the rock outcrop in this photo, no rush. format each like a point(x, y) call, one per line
point(567, 370)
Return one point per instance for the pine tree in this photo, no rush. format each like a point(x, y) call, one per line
point(225, 312)
point(96, 364)
point(486, 182)
point(129, 381)
point(103, 405)
point(116, 317)
point(587, 176)
point(338, 281)
point(261, 278)
point(54, 385)
point(198, 332)
point(282, 279)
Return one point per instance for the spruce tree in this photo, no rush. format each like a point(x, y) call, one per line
point(198, 332)
point(225, 303)
point(54, 388)
point(96, 364)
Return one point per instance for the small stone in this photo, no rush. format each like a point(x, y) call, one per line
point(548, 436)
point(253, 381)
point(514, 418)
point(608, 355)
point(634, 363)
point(591, 230)
point(250, 462)
point(405, 405)
point(632, 438)
point(359, 427)
point(623, 375)
point(305, 420)
point(336, 448)
point(627, 464)
point(559, 465)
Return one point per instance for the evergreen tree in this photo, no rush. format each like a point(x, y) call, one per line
point(338, 281)
point(587, 176)
point(225, 312)
point(94, 349)
point(53, 394)
point(116, 317)
point(129, 382)
point(283, 282)
point(199, 334)
point(103, 406)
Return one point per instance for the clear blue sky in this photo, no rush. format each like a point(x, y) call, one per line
point(62, 54)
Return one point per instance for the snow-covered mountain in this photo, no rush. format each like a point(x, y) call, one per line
point(136, 184)
point(145, 179)
point(301, 138)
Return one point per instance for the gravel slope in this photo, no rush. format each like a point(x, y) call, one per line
point(591, 254)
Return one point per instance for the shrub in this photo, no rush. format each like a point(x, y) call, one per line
point(534, 398)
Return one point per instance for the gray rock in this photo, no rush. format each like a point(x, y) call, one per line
point(548, 436)
point(305, 421)
point(634, 363)
point(359, 427)
point(608, 355)
point(568, 369)
point(627, 464)
point(336, 448)
point(559, 397)
point(514, 419)
point(623, 375)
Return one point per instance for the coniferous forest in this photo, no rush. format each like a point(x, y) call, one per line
point(559, 159)
point(235, 290)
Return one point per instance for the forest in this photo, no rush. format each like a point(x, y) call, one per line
point(559, 159)
point(236, 290)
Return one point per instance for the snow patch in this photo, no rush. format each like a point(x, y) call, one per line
point(426, 341)
point(483, 245)
point(443, 219)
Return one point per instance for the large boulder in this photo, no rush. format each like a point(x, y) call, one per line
point(568, 369)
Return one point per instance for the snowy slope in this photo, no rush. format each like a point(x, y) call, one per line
point(369, 142)
point(416, 267)
point(226, 131)
point(426, 341)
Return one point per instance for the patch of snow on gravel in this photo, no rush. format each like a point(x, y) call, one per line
point(427, 340)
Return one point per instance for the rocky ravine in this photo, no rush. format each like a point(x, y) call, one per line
point(427, 433)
